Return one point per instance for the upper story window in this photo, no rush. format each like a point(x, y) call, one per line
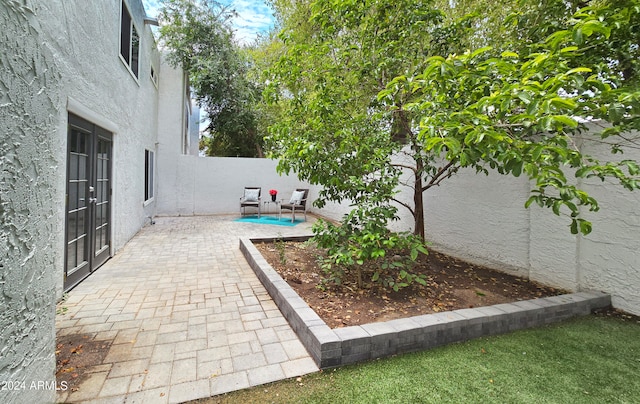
point(129, 41)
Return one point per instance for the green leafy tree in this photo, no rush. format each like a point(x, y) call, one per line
point(359, 84)
point(265, 50)
point(515, 25)
point(526, 113)
point(199, 38)
point(339, 55)
point(335, 132)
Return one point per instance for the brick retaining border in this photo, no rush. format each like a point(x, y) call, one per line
point(342, 346)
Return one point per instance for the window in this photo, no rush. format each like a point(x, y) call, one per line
point(148, 174)
point(129, 41)
point(154, 77)
point(185, 128)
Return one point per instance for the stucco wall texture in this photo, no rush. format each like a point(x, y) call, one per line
point(98, 86)
point(30, 82)
point(59, 57)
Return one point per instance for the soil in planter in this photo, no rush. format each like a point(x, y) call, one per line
point(451, 284)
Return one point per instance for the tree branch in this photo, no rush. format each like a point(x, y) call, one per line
point(413, 213)
point(439, 176)
point(412, 168)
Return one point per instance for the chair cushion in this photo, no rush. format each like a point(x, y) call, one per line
point(296, 198)
point(251, 195)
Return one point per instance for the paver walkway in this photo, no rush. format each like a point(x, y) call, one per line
point(186, 316)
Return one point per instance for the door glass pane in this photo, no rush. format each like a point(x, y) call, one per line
point(73, 166)
point(71, 256)
point(98, 220)
point(99, 171)
point(82, 166)
point(98, 239)
point(82, 194)
point(73, 195)
point(105, 191)
point(105, 233)
point(99, 191)
point(73, 141)
point(81, 252)
point(72, 223)
point(82, 222)
point(83, 198)
point(82, 143)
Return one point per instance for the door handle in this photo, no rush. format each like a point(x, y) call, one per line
point(93, 200)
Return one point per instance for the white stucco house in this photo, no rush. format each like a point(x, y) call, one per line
point(86, 100)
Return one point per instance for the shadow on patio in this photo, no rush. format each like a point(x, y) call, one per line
point(181, 316)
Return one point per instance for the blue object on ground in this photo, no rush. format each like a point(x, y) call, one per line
point(264, 219)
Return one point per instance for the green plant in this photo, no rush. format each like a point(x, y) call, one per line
point(60, 309)
point(280, 247)
point(363, 244)
point(198, 37)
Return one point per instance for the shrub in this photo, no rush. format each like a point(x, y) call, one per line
point(362, 243)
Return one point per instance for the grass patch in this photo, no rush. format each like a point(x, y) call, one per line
point(587, 360)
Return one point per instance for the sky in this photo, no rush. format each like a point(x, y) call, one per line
point(254, 17)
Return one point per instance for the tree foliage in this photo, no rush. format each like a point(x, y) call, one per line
point(517, 25)
point(527, 113)
point(335, 132)
point(363, 83)
point(199, 38)
point(339, 55)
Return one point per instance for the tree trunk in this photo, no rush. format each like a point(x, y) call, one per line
point(401, 132)
point(418, 207)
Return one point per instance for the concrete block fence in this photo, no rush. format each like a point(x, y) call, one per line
point(343, 346)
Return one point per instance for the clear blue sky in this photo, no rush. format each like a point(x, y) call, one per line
point(254, 17)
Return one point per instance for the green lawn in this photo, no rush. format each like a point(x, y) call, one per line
point(592, 359)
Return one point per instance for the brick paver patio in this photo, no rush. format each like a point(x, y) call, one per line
point(186, 316)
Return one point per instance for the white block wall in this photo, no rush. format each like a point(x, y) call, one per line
point(483, 219)
point(191, 185)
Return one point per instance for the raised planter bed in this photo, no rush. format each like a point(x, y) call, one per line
point(341, 346)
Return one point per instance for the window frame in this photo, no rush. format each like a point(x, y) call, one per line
point(149, 176)
point(129, 51)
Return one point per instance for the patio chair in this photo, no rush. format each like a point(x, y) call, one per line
point(298, 202)
point(250, 198)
